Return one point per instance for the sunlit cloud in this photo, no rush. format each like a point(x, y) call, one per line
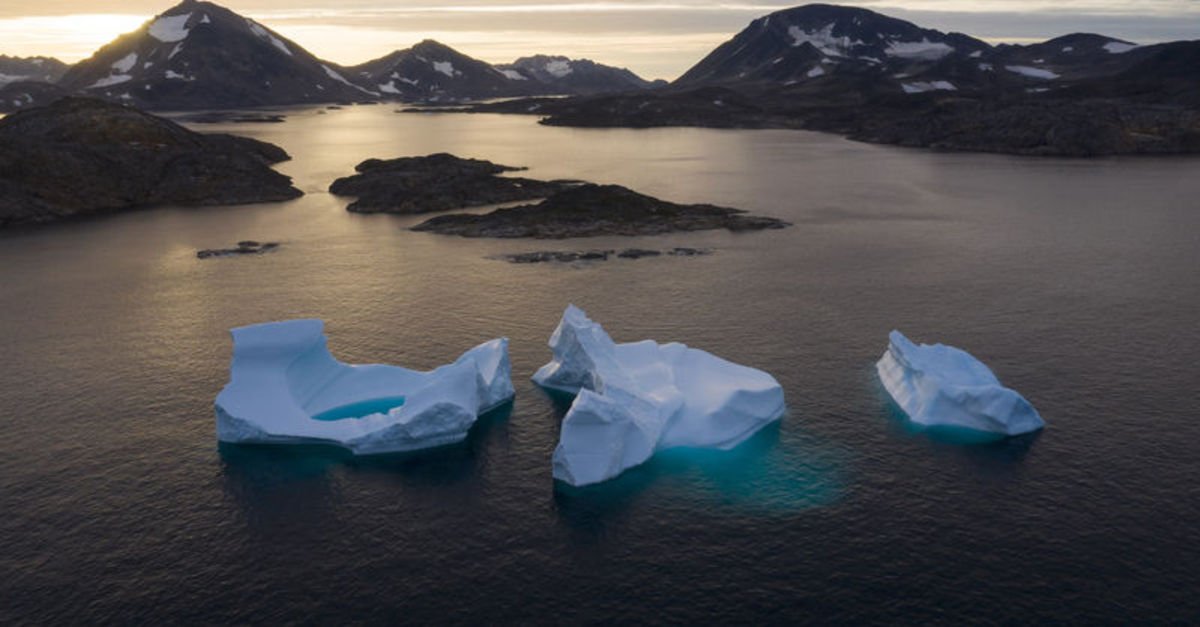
point(68, 37)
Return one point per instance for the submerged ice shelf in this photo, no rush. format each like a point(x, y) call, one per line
point(942, 386)
point(640, 397)
point(286, 388)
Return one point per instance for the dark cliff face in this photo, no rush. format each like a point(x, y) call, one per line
point(83, 156)
point(199, 55)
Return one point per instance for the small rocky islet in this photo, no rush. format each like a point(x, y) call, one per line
point(245, 247)
point(571, 256)
point(591, 210)
point(438, 182)
point(82, 156)
point(566, 209)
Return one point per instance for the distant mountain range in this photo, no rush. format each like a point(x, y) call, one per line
point(44, 69)
point(199, 55)
point(875, 78)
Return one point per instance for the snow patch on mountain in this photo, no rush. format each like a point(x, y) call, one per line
point(445, 67)
point(1031, 72)
point(109, 81)
point(823, 40)
point(265, 35)
point(559, 68)
point(331, 73)
point(171, 28)
point(1119, 47)
point(514, 75)
point(918, 87)
point(924, 49)
point(126, 63)
point(815, 72)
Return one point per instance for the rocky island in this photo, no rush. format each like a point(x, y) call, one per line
point(81, 156)
point(590, 210)
point(412, 185)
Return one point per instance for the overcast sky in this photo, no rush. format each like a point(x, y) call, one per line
point(656, 38)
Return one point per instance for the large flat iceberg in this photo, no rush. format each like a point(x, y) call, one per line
point(286, 388)
point(942, 386)
point(637, 398)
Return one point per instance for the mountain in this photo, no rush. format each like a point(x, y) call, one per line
point(433, 72)
point(82, 156)
point(26, 94)
point(40, 69)
point(199, 55)
point(875, 78)
point(840, 48)
point(812, 41)
point(561, 75)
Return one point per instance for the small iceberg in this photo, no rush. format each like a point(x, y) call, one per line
point(286, 388)
point(942, 386)
point(637, 398)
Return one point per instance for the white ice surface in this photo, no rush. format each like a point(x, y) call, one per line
point(445, 67)
point(171, 28)
point(815, 72)
point(640, 397)
point(938, 385)
point(283, 375)
point(514, 75)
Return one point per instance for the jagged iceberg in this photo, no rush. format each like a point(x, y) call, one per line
point(942, 386)
point(637, 398)
point(286, 388)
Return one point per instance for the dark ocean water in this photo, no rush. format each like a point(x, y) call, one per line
point(1076, 281)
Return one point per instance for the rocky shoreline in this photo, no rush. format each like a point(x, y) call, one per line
point(1030, 125)
point(81, 156)
point(414, 185)
point(590, 210)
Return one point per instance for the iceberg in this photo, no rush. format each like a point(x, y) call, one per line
point(286, 388)
point(637, 398)
point(943, 386)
